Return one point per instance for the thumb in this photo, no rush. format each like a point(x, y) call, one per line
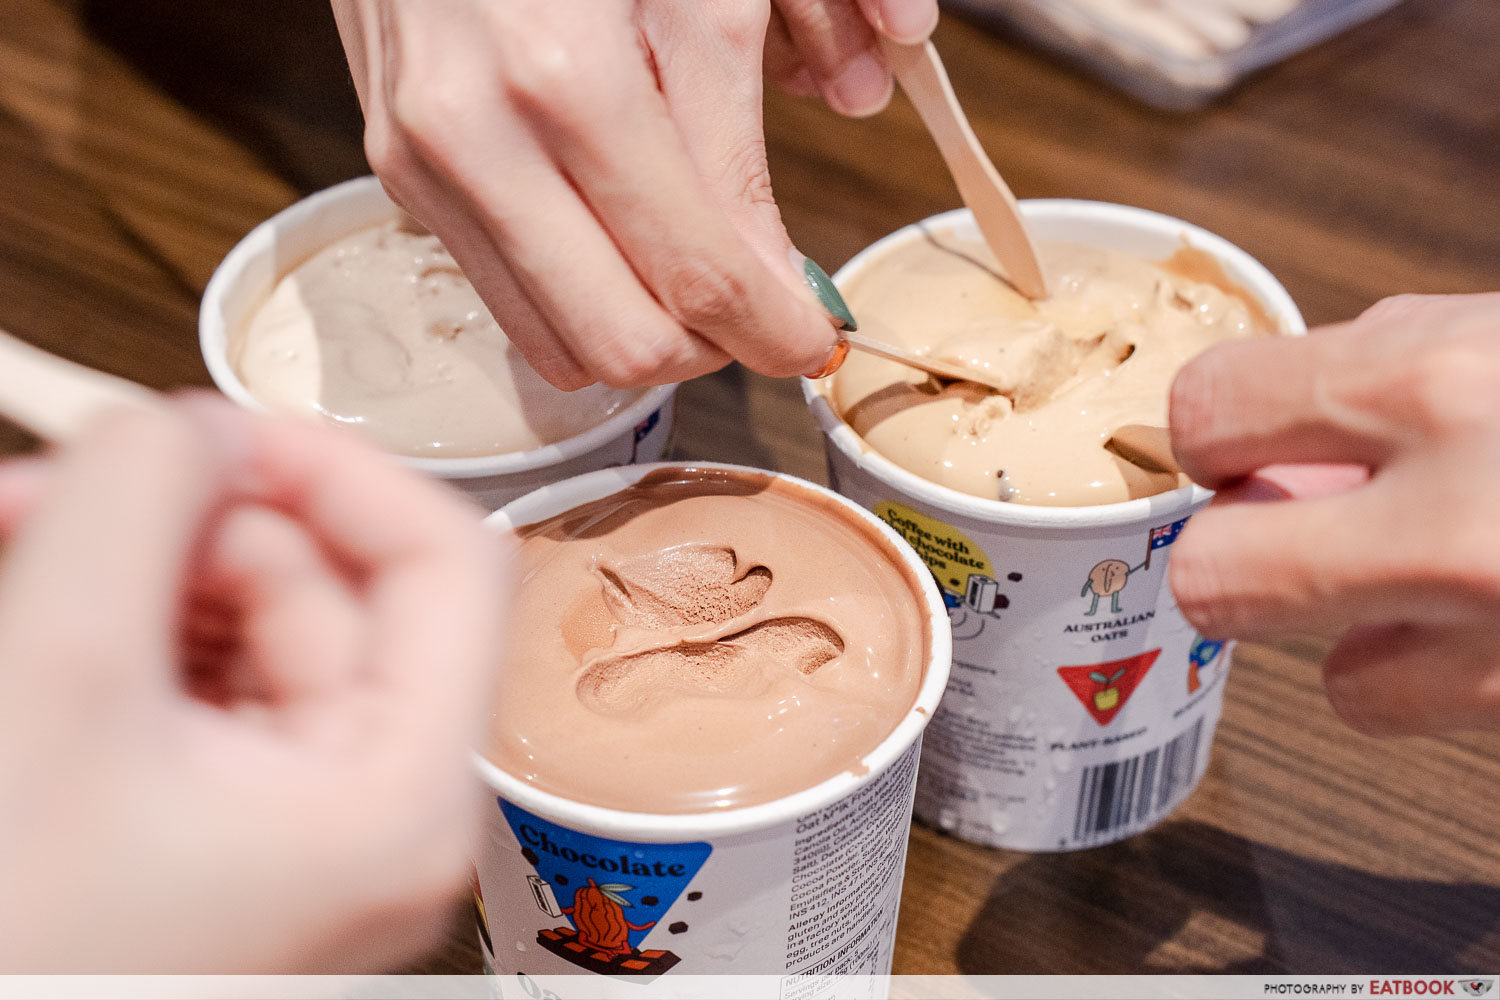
point(90, 591)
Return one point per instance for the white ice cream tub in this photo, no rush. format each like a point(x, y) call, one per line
point(806, 884)
point(247, 276)
point(1081, 705)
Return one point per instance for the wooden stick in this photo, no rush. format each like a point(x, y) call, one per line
point(1146, 446)
point(934, 366)
point(922, 76)
point(54, 398)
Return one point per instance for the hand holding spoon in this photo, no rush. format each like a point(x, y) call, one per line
point(921, 74)
point(925, 81)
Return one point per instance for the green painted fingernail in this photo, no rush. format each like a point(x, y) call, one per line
point(822, 286)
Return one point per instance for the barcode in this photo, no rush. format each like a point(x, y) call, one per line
point(1115, 795)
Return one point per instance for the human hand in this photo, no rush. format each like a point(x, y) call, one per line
point(599, 172)
point(829, 47)
point(242, 665)
point(1372, 451)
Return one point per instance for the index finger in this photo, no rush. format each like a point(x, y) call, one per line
point(1246, 404)
point(618, 142)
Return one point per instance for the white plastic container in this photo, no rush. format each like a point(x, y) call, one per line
point(1081, 705)
point(1182, 54)
point(637, 433)
point(807, 884)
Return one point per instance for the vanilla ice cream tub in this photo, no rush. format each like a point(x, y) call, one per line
point(804, 885)
point(1081, 706)
point(635, 432)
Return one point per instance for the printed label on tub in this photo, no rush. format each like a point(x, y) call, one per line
point(816, 895)
point(1081, 705)
point(646, 442)
point(616, 892)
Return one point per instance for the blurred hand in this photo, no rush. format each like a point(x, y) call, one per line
point(598, 169)
point(1372, 451)
point(242, 662)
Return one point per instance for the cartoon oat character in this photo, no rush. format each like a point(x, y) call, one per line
point(1106, 579)
point(1109, 576)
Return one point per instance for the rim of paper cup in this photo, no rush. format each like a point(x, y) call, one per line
point(213, 341)
point(1246, 269)
point(557, 498)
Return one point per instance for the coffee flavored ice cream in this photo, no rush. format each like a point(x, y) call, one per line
point(382, 332)
point(1101, 352)
point(704, 640)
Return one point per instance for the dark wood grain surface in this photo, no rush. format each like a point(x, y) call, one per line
point(139, 139)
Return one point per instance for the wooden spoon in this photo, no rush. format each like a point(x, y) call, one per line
point(1146, 446)
point(54, 398)
point(921, 362)
point(922, 76)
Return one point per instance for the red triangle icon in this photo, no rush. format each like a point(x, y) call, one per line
point(1104, 688)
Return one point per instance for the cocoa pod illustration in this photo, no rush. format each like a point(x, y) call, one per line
point(598, 911)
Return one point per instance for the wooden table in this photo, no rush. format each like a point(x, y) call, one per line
point(139, 140)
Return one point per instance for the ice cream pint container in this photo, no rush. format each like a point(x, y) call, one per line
point(808, 884)
point(1081, 705)
point(638, 432)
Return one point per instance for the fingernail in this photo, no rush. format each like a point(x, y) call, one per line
point(908, 21)
point(835, 360)
point(822, 286)
point(862, 88)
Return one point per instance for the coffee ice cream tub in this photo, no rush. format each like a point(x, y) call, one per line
point(245, 280)
point(806, 883)
point(1081, 705)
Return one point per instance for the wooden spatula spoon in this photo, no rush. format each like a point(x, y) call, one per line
point(1146, 446)
point(921, 74)
point(921, 362)
point(54, 398)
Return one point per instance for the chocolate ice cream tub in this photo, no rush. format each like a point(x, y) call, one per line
point(1081, 707)
point(637, 432)
point(807, 884)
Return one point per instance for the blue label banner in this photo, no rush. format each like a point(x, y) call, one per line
point(612, 891)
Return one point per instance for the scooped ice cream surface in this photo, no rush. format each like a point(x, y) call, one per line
point(382, 332)
point(705, 640)
point(1098, 354)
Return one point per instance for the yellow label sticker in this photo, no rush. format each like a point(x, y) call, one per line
point(951, 555)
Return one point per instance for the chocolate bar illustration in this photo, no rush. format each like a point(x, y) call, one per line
point(980, 593)
point(541, 891)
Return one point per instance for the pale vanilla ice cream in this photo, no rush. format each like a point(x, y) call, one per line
point(1101, 352)
point(382, 332)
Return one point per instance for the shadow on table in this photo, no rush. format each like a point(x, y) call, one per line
point(1189, 897)
point(724, 394)
point(269, 72)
